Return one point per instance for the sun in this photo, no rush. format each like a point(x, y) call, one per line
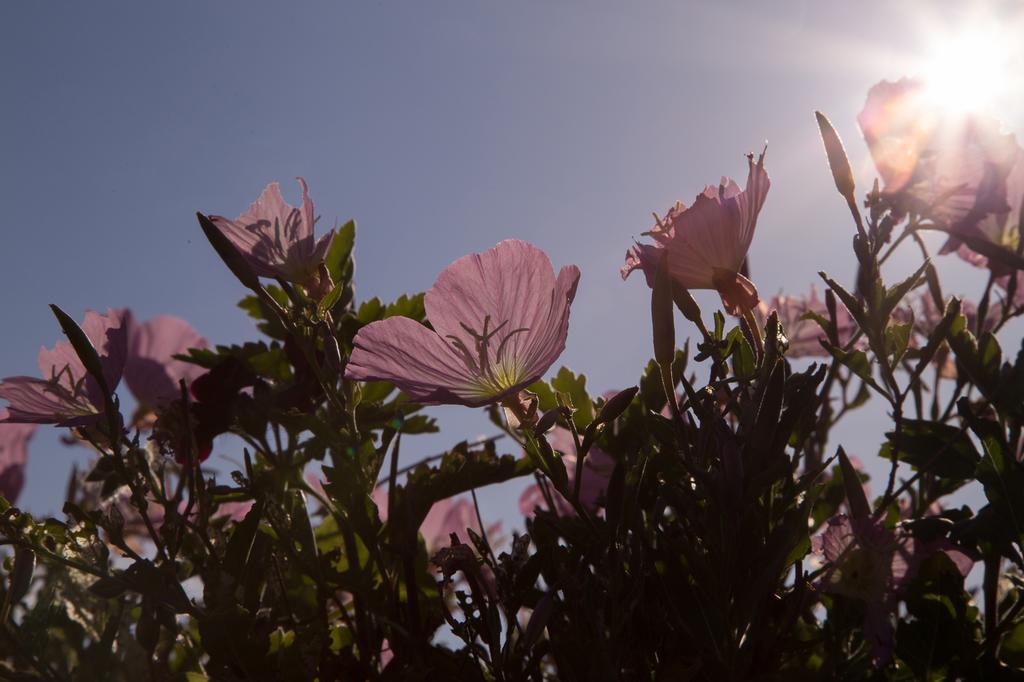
point(969, 71)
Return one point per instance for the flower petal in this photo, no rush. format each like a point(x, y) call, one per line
point(34, 401)
point(407, 354)
point(511, 288)
point(151, 371)
point(275, 237)
point(540, 350)
point(642, 257)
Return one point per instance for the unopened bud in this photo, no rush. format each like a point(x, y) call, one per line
point(837, 159)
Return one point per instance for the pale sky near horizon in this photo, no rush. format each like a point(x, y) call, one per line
point(441, 128)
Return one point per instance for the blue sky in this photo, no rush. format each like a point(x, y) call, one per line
point(442, 128)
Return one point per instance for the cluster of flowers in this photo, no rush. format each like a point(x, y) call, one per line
point(499, 319)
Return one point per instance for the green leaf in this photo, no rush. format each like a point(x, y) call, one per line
point(575, 387)
point(981, 359)
point(848, 299)
point(897, 338)
point(20, 579)
point(407, 305)
point(280, 639)
point(370, 310)
point(1012, 648)
point(857, 362)
point(895, 294)
point(935, 448)
point(341, 638)
point(743, 364)
point(859, 506)
point(328, 301)
point(937, 337)
point(341, 251)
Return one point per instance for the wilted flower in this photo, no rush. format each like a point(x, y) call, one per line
point(151, 371)
point(13, 455)
point(597, 471)
point(868, 562)
point(708, 241)
point(499, 318)
point(68, 395)
point(805, 334)
point(276, 238)
point(953, 169)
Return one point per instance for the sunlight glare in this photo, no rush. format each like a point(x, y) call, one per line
point(968, 71)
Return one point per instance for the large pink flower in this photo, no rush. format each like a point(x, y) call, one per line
point(708, 241)
point(868, 562)
point(151, 371)
point(13, 455)
point(276, 238)
point(952, 168)
point(67, 395)
point(597, 472)
point(499, 318)
point(805, 335)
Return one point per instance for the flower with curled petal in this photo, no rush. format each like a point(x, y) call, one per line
point(276, 239)
point(68, 395)
point(500, 319)
point(708, 241)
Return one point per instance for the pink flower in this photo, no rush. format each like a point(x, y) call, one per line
point(68, 396)
point(151, 371)
point(451, 515)
point(804, 335)
point(277, 239)
point(953, 169)
point(13, 455)
point(708, 241)
point(597, 471)
point(870, 563)
point(499, 318)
